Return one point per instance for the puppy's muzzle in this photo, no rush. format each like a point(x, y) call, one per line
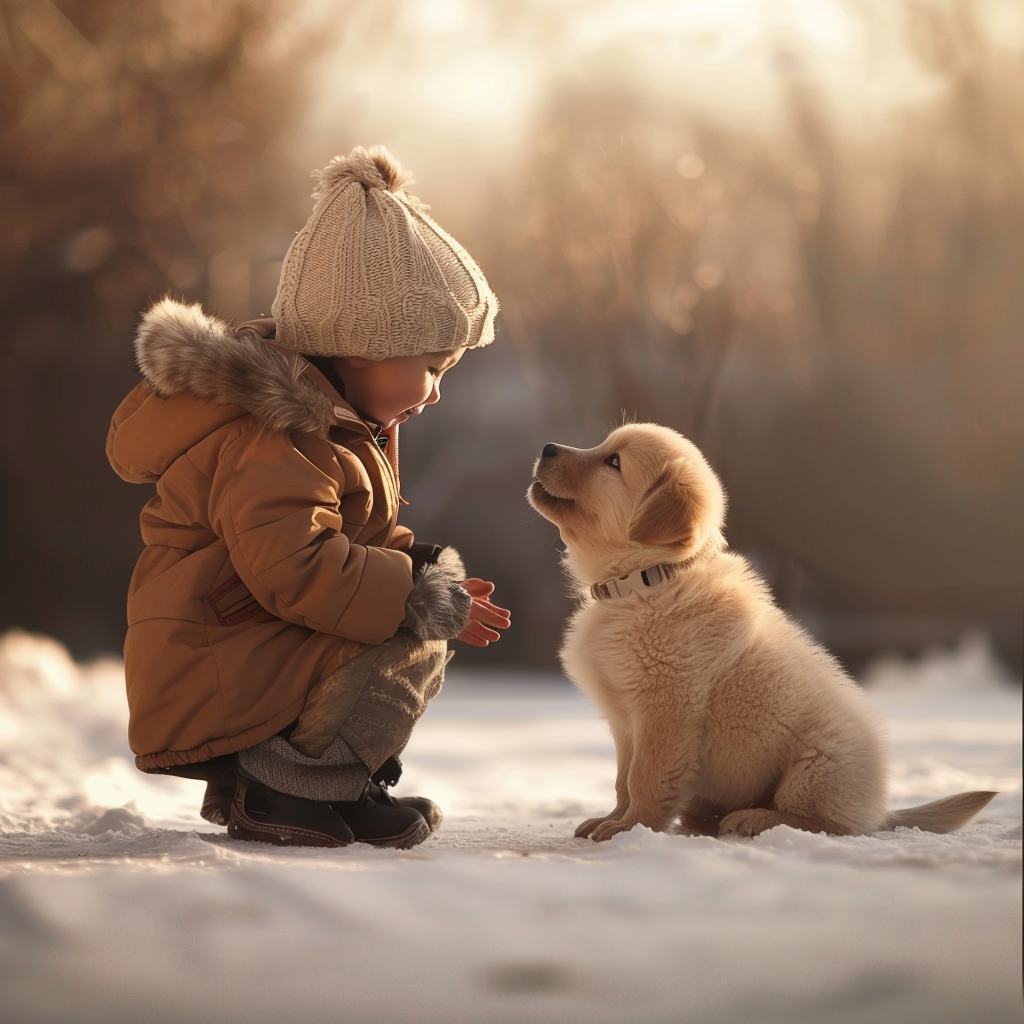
point(541, 498)
point(547, 453)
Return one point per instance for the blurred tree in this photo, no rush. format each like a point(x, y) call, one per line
point(144, 149)
point(832, 314)
point(619, 294)
point(886, 452)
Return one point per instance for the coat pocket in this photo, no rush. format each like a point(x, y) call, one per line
point(233, 603)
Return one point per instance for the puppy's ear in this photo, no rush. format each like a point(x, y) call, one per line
point(667, 515)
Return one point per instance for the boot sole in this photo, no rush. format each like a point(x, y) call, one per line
point(412, 836)
point(241, 826)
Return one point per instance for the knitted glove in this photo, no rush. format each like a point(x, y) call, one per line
point(438, 607)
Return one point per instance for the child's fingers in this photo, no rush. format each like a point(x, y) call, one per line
point(477, 587)
point(484, 611)
point(483, 628)
point(486, 607)
point(478, 635)
point(480, 590)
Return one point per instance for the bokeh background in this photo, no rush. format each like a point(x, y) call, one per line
point(792, 230)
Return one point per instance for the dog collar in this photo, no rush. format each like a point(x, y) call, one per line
point(636, 581)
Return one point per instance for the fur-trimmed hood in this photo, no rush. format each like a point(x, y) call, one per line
point(181, 348)
point(186, 353)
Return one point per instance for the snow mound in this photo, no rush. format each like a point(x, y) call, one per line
point(970, 667)
point(64, 757)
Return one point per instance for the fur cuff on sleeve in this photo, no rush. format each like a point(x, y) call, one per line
point(438, 607)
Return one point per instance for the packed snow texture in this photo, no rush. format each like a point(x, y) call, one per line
point(118, 903)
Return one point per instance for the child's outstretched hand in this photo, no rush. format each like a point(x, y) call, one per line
point(485, 618)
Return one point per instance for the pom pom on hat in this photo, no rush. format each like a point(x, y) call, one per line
point(372, 168)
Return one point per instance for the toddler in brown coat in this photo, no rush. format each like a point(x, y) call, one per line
point(285, 633)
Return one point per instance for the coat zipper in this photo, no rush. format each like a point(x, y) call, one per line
point(393, 457)
point(391, 461)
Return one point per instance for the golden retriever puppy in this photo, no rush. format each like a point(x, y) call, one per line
point(727, 717)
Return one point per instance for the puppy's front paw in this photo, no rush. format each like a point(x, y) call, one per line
point(608, 828)
point(584, 830)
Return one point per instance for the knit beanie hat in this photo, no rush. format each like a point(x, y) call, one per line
point(372, 275)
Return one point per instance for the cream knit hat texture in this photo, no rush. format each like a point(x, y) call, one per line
point(372, 275)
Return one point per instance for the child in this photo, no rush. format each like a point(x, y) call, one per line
point(285, 634)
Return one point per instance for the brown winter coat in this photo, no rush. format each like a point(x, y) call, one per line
point(272, 551)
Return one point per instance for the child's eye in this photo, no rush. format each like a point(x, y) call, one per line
point(613, 460)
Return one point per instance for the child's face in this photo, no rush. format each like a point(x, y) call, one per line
point(389, 391)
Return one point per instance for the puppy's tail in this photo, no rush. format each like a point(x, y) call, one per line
point(944, 815)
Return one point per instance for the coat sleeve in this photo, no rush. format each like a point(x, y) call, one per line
point(279, 515)
point(401, 538)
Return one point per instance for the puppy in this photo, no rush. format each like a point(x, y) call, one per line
point(727, 717)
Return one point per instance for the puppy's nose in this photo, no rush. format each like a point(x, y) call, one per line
point(548, 450)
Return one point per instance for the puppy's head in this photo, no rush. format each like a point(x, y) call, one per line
point(645, 495)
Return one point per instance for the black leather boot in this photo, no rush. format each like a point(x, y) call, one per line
point(219, 775)
point(220, 791)
point(378, 819)
point(263, 815)
point(430, 812)
point(387, 775)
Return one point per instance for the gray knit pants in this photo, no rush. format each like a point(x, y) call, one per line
point(339, 775)
point(354, 720)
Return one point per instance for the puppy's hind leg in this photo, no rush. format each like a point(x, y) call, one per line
point(817, 794)
point(623, 758)
point(752, 821)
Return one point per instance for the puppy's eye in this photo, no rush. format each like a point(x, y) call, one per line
point(613, 460)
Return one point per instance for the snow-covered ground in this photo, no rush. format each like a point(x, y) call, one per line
point(118, 903)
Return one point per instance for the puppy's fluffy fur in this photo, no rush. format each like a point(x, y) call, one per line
point(727, 717)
